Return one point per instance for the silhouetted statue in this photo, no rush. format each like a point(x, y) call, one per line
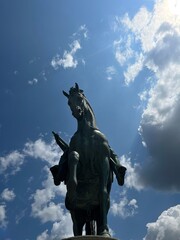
point(87, 167)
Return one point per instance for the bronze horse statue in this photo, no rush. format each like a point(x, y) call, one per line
point(87, 167)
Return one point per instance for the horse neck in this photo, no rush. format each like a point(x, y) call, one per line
point(88, 121)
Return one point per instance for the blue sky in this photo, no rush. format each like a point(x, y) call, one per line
point(125, 55)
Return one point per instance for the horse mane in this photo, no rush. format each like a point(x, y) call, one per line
point(91, 113)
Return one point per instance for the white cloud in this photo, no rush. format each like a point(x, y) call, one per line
point(160, 120)
point(40, 149)
point(33, 81)
point(110, 71)
point(133, 70)
point(125, 208)
point(145, 25)
point(20, 215)
point(83, 62)
point(156, 32)
point(163, 99)
point(83, 30)
point(3, 222)
point(139, 27)
point(143, 96)
point(128, 58)
point(43, 74)
point(49, 212)
point(157, 35)
point(166, 227)
point(11, 162)
point(43, 236)
point(45, 209)
point(60, 230)
point(43, 200)
point(123, 50)
point(166, 51)
point(8, 195)
point(43, 206)
point(68, 60)
point(132, 179)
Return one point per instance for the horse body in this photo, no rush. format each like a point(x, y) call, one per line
point(90, 177)
point(89, 163)
point(93, 161)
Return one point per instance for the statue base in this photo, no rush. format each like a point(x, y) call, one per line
point(90, 237)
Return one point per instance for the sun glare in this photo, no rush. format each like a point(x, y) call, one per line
point(174, 7)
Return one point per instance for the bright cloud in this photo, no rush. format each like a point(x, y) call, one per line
point(157, 34)
point(12, 162)
point(44, 208)
point(160, 120)
point(60, 230)
point(123, 50)
point(37, 149)
point(68, 60)
point(133, 70)
point(43, 205)
point(110, 71)
point(8, 195)
point(143, 96)
point(124, 208)
point(166, 227)
point(3, 222)
point(33, 81)
point(132, 179)
point(40, 149)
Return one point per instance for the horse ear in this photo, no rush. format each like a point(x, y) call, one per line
point(77, 87)
point(66, 94)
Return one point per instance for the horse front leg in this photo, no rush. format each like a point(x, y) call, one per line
point(73, 160)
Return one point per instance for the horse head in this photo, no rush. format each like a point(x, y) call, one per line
point(77, 102)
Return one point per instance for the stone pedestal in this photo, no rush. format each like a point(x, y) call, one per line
point(90, 237)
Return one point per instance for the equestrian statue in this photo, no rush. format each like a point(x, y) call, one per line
point(86, 167)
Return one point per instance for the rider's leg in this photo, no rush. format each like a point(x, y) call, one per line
point(102, 228)
point(73, 160)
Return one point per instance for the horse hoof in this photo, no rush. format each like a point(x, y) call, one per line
point(105, 233)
